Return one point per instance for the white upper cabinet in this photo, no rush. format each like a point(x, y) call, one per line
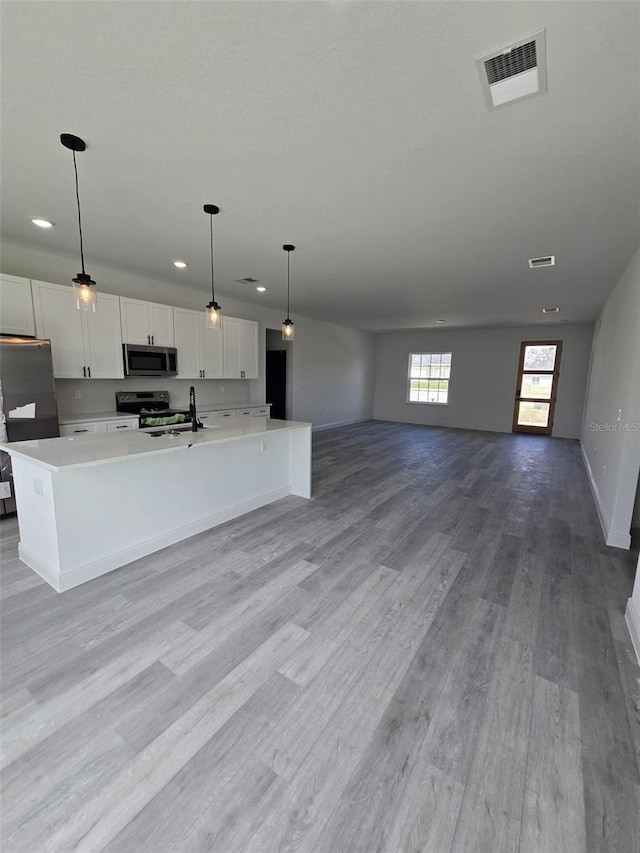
point(58, 319)
point(240, 344)
point(249, 352)
point(103, 339)
point(186, 336)
point(211, 350)
point(161, 325)
point(231, 330)
point(146, 323)
point(83, 344)
point(199, 348)
point(16, 306)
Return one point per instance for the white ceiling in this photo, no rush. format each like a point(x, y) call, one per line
point(357, 131)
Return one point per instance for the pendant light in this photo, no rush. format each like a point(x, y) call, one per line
point(287, 326)
point(213, 310)
point(84, 287)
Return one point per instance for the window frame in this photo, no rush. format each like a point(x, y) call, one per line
point(410, 377)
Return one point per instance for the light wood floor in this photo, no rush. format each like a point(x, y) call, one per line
point(429, 656)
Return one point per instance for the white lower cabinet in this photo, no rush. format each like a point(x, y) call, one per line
point(199, 348)
point(254, 411)
point(217, 415)
point(84, 345)
point(115, 426)
point(82, 427)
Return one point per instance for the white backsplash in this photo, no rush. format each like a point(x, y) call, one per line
point(99, 395)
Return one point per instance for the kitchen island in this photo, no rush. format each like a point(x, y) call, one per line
point(91, 503)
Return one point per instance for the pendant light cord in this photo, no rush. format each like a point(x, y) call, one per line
point(288, 278)
point(75, 168)
point(213, 296)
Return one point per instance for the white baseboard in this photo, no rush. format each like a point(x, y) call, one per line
point(68, 580)
point(335, 424)
point(611, 537)
point(38, 567)
point(632, 616)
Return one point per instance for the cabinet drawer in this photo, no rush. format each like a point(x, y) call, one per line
point(81, 428)
point(262, 412)
point(244, 411)
point(112, 426)
point(226, 413)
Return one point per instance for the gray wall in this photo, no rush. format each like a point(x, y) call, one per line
point(332, 366)
point(613, 454)
point(483, 376)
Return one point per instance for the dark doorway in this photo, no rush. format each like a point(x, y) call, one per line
point(276, 383)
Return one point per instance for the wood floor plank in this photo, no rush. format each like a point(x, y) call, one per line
point(122, 798)
point(491, 810)
point(396, 766)
point(553, 814)
point(23, 732)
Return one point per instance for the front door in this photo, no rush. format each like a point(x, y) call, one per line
point(538, 371)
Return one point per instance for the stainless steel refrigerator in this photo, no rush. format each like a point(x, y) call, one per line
point(27, 400)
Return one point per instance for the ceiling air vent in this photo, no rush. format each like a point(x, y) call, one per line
point(549, 261)
point(514, 72)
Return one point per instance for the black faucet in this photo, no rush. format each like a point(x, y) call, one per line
point(192, 409)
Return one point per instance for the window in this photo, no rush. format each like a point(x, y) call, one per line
point(429, 374)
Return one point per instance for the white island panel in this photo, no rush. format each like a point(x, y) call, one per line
point(84, 518)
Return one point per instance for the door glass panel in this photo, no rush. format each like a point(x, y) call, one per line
point(539, 357)
point(533, 414)
point(537, 385)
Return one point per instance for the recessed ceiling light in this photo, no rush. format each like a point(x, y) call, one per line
point(439, 321)
point(550, 310)
point(261, 289)
point(180, 264)
point(43, 223)
point(547, 261)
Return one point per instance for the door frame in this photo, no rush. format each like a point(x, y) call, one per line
point(555, 373)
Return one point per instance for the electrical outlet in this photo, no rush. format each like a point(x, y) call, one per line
point(619, 415)
point(38, 487)
point(263, 446)
point(77, 394)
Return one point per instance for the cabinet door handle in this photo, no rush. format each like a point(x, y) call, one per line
point(84, 371)
point(153, 339)
point(203, 374)
point(89, 372)
point(81, 430)
point(122, 426)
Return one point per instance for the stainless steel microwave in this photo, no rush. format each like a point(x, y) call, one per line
point(140, 360)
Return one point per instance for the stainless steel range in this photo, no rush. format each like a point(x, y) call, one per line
point(153, 409)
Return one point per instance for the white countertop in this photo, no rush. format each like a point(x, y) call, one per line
point(92, 417)
point(55, 454)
